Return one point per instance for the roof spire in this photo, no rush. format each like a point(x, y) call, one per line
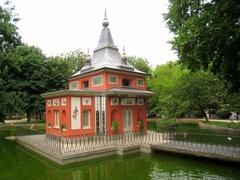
point(105, 22)
point(88, 58)
point(124, 56)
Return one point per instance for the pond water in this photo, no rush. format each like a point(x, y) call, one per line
point(17, 163)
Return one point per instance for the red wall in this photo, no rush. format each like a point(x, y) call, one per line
point(139, 112)
point(67, 120)
point(106, 84)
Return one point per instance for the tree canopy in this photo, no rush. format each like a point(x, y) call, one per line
point(207, 36)
point(140, 64)
point(9, 38)
point(180, 92)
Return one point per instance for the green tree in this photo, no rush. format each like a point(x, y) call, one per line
point(164, 84)
point(10, 102)
point(140, 63)
point(200, 91)
point(61, 67)
point(30, 79)
point(234, 102)
point(207, 35)
point(75, 59)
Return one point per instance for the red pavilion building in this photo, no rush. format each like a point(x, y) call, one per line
point(106, 89)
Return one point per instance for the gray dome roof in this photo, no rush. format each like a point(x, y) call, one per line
point(106, 55)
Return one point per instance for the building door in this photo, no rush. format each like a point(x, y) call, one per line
point(127, 120)
point(100, 115)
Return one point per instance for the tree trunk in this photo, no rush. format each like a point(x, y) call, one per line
point(28, 116)
point(40, 115)
point(2, 121)
point(199, 104)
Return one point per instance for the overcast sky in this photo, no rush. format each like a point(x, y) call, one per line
point(61, 26)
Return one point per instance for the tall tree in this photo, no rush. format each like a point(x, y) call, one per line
point(75, 59)
point(61, 67)
point(200, 91)
point(164, 83)
point(30, 79)
point(207, 35)
point(9, 39)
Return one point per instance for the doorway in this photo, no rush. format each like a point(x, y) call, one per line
point(127, 120)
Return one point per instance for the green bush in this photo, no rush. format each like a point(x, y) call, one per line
point(114, 126)
point(224, 113)
point(140, 124)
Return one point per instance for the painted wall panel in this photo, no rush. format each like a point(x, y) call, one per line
point(75, 113)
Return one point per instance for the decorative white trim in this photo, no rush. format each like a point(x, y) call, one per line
point(75, 113)
point(94, 85)
point(109, 76)
point(140, 85)
point(114, 101)
point(140, 101)
point(49, 102)
point(63, 101)
point(74, 88)
point(55, 102)
point(128, 101)
point(86, 101)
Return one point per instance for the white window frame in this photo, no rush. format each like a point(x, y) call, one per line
point(89, 114)
point(63, 101)
point(128, 101)
point(84, 99)
point(57, 102)
point(114, 101)
point(49, 102)
point(109, 77)
point(140, 101)
point(70, 85)
point(94, 85)
point(56, 120)
point(141, 85)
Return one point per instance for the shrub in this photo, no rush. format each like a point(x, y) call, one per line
point(114, 125)
point(63, 126)
point(140, 124)
point(224, 113)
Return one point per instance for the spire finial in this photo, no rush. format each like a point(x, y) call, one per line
point(124, 50)
point(105, 19)
point(88, 57)
point(124, 56)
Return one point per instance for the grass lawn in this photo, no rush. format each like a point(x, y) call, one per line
point(224, 124)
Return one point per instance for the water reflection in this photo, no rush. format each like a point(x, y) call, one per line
point(17, 163)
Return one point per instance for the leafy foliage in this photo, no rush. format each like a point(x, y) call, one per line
point(207, 35)
point(224, 113)
point(164, 83)
point(180, 92)
point(59, 68)
point(9, 39)
point(140, 64)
